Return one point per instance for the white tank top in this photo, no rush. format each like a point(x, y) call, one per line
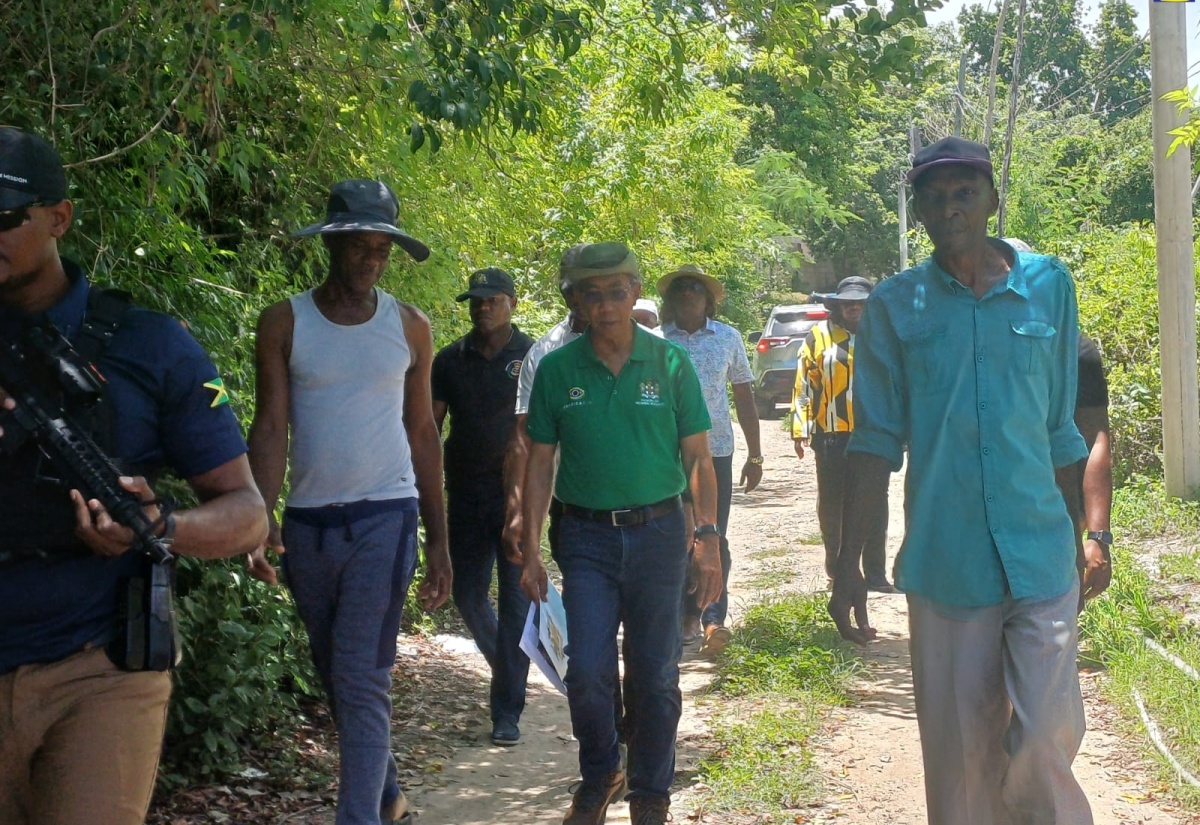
point(347, 407)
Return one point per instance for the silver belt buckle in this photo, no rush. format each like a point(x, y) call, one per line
point(616, 514)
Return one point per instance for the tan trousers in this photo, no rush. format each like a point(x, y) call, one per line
point(999, 709)
point(79, 742)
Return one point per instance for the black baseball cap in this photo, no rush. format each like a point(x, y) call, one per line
point(484, 283)
point(31, 170)
point(364, 206)
point(951, 150)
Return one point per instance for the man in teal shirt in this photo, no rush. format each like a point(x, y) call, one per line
point(968, 360)
point(625, 411)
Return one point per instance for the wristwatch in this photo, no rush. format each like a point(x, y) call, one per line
point(705, 530)
point(755, 459)
point(1102, 536)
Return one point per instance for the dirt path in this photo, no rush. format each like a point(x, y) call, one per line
point(870, 756)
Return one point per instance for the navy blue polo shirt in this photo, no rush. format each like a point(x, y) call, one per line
point(172, 412)
point(480, 395)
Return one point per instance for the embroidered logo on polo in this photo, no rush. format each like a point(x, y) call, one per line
point(648, 394)
point(575, 393)
point(513, 369)
point(221, 394)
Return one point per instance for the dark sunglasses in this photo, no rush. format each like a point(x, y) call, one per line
point(686, 285)
point(12, 218)
point(598, 296)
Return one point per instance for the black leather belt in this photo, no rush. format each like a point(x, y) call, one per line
point(628, 517)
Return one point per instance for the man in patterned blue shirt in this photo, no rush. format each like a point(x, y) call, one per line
point(690, 298)
point(968, 360)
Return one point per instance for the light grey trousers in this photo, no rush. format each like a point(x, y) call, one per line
point(999, 709)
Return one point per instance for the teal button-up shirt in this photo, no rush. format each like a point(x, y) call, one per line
point(982, 393)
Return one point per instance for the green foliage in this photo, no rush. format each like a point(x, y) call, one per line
point(786, 646)
point(245, 665)
point(1113, 627)
point(784, 668)
point(763, 759)
point(1117, 283)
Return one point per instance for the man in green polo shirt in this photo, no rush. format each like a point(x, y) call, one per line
point(626, 412)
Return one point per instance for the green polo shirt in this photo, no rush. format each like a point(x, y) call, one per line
point(618, 436)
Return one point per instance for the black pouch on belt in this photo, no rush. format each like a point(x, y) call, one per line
point(147, 636)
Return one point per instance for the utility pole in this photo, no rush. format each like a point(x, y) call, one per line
point(1013, 91)
point(1176, 267)
point(914, 143)
point(961, 97)
point(991, 110)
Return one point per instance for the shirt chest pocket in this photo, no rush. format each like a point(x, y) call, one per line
point(1031, 345)
point(926, 358)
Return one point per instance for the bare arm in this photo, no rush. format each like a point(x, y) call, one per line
point(426, 446)
point(698, 468)
point(538, 487)
point(272, 392)
point(230, 518)
point(1096, 506)
point(866, 490)
point(516, 459)
point(747, 413)
point(439, 415)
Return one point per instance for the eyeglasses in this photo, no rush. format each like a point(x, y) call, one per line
point(687, 285)
point(12, 218)
point(592, 297)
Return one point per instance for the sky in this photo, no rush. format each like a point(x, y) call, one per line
point(1091, 11)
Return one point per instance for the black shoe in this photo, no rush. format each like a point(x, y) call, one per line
point(880, 586)
point(591, 801)
point(505, 733)
point(649, 810)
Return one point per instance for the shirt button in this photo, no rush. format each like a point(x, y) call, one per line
point(980, 359)
point(986, 451)
point(991, 498)
point(983, 405)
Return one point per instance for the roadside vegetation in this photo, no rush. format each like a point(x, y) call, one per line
point(785, 669)
point(1156, 585)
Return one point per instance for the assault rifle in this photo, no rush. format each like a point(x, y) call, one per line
point(36, 370)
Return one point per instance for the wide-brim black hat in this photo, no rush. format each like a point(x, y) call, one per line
point(364, 206)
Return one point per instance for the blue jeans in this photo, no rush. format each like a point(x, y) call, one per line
point(718, 611)
point(631, 574)
point(349, 567)
point(474, 533)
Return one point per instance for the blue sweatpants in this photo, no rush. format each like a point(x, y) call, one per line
point(349, 567)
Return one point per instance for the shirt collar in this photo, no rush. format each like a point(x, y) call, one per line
point(1015, 282)
point(710, 326)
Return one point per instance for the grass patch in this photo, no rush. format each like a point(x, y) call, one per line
point(785, 668)
point(763, 761)
point(1181, 568)
point(771, 578)
point(772, 553)
point(1113, 627)
point(812, 538)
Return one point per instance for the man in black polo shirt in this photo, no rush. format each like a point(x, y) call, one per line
point(475, 379)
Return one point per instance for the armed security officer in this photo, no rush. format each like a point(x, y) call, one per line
point(626, 410)
point(80, 737)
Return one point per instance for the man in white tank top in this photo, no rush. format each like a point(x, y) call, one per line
point(347, 368)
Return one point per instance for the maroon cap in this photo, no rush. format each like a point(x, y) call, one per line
point(951, 150)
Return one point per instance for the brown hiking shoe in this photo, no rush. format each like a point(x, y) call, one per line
point(649, 810)
point(716, 637)
point(591, 801)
